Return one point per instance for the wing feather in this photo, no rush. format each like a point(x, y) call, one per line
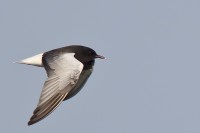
point(44, 110)
point(63, 73)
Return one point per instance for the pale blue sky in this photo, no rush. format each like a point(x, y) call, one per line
point(149, 84)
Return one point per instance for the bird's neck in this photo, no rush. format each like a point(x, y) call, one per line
point(89, 64)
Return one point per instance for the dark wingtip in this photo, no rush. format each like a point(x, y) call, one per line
point(30, 123)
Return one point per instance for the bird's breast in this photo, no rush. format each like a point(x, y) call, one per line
point(85, 74)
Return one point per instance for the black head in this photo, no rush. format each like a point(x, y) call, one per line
point(85, 54)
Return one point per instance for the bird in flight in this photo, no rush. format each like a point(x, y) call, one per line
point(68, 69)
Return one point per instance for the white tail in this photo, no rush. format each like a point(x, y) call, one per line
point(34, 60)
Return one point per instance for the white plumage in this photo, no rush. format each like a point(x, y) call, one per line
point(34, 60)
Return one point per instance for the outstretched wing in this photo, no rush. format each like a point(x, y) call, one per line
point(63, 72)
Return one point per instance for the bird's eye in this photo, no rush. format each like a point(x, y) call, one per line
point(90, 52)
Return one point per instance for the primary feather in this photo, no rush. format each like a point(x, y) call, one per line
point(63, 72)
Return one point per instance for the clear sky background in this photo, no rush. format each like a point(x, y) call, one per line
point(149, 84)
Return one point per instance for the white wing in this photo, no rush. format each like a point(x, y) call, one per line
point(63, 73)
